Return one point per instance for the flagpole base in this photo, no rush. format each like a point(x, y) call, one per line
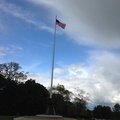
point(50, 108)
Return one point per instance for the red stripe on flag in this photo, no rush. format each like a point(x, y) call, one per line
point(62, 25)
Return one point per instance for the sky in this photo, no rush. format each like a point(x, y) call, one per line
point(87, 52)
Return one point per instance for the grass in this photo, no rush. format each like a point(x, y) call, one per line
point(7, 117)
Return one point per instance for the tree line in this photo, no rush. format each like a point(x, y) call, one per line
point(22, 96)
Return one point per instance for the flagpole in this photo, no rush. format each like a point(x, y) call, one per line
point(50, 108)
point(53, 57)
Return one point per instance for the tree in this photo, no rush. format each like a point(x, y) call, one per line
point(80, 101)
point(58, 102)
point(69, 104)
point(85, 113)
point(60, 89)
point(102, 112)
point(11, 70)
point(116, 111)
point(81, 95)
point(60, 97)
point(69, 109)
point(116, 107)
point(32, 98)
point(8, 93)
point(24, 98)
point(62, 101)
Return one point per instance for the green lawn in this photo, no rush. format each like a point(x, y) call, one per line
point(7, 117)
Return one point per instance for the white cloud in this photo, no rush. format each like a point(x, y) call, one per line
point(40, 78)
point(100, 78)
point(16, 47)
point(25, 15)
point(107, 70)
point(92, 23)
point(59, 71)
point(89, 22)
point(3, 51)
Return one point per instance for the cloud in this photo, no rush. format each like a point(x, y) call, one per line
point(13, 48)
point(105, 70)
point(89, 22)
point(23, 14)
point(59, 71)
point(3, 51)
point(10, 49)
point(100, 79)
point(40, 78)
point(16, 47)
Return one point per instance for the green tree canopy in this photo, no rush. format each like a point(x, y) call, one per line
point(103, 112)
point(116, 107)
point(29, 98)
point(60, 89)
point(69, 104)
point(11, 70)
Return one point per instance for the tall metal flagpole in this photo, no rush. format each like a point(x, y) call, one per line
point(50, 108)
point(53, 56)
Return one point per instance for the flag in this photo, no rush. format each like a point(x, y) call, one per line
point(62, 25)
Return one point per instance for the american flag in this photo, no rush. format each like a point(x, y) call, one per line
point(62, 25)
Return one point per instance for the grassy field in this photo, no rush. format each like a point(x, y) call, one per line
point(7, 117)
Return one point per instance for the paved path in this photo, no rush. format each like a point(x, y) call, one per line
point(43, 117)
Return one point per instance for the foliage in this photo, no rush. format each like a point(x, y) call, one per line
point(31, 98)
point(61, 99)
point(63, 104)
point(85, 113)
point(116, 107)
point(116, 111)
point(11, 70)
point(27, 98)
point(60, 89)
point(80, 102)
point(81, 95)
point(103, 112)
point(35, 98)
